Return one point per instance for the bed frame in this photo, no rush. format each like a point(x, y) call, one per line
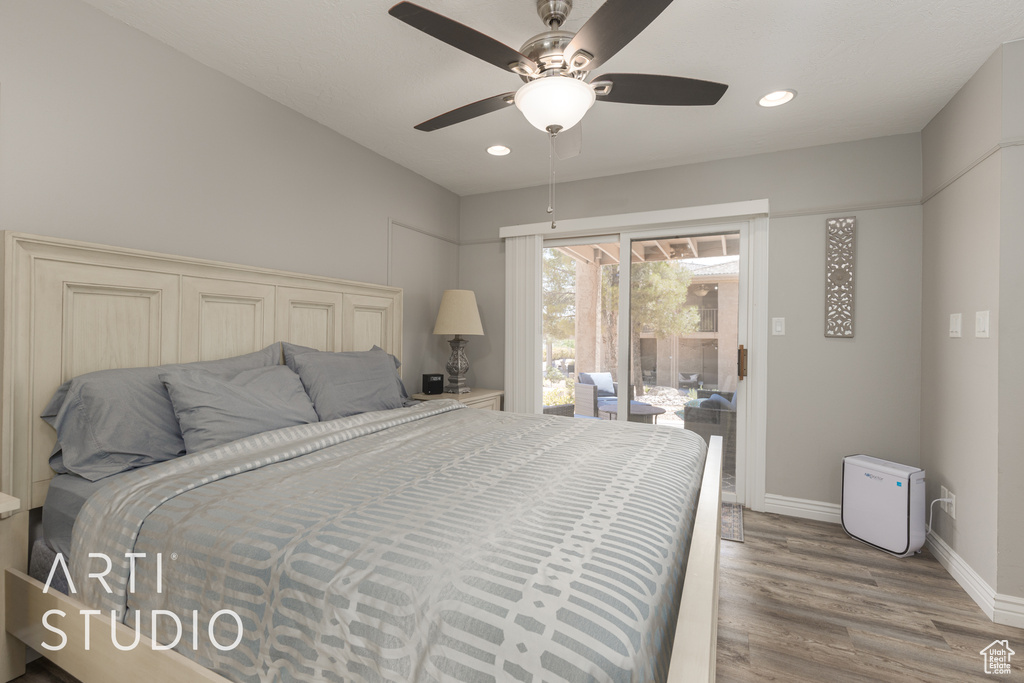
point(71, 308)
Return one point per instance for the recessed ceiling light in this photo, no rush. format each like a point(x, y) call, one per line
point(774, 99)
point(498, 150)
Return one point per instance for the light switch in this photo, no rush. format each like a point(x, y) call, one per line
point(981, 324)
point(954, 324)
point(778, 326)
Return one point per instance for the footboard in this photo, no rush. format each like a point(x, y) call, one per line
point(695, 646)
point(13, 554)
point(102, 662)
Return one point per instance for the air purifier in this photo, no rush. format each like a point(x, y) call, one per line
point(884, 504)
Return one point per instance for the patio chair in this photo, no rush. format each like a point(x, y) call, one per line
point(689, 380)
point(565, 410)
point(712, 418)
point(589, 396)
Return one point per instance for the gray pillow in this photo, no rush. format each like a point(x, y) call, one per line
point(212, 410)
point(115, 420)
point(289, 351)
point(292, 350)
point(343, 384)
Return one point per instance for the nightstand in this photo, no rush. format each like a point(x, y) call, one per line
point(14, 555)
point(482, 399)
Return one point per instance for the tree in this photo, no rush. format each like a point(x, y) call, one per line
point(657, 302)
point(610, 317)
point(559, 295)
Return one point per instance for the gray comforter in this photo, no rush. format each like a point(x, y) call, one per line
point(426, 543)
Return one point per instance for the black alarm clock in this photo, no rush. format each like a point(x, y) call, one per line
point(433, 384)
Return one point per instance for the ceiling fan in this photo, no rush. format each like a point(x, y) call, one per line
point(556, 64)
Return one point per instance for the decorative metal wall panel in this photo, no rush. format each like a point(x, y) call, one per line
point(840, 236)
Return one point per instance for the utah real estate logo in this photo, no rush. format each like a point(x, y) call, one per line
point(997, 657)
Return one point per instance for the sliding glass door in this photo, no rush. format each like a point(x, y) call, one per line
point(683, 329)
point(579, 326)
point(673, 360)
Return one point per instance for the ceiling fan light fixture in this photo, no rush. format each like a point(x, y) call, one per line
point(580, 60)
point(554, 101)
point(779, 97)
point(520, 69)
point(498, 150)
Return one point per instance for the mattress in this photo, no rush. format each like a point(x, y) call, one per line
point(428, 543)
point(64, 499)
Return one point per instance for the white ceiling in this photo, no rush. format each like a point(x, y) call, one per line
point(862, 69)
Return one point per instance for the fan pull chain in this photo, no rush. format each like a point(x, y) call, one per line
point(552, 132)
point(551, 173)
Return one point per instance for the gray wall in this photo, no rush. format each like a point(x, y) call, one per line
point(827, 398)
point(108, 136)
point(1010, 550)
point(973, 248)
point(423, 266)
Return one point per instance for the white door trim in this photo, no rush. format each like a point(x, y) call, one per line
point(755, 252)
point(641, 220)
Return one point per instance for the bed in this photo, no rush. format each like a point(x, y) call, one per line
point(421, 542)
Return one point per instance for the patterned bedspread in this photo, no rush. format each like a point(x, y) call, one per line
point(427, 543)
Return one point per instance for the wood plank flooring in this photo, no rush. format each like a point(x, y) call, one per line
point(801, 601)
point(42, 671)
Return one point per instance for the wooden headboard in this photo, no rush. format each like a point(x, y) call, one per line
point(72, 307)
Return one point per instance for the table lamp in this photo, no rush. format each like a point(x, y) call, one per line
point(458, 315)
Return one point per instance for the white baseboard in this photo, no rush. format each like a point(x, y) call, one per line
point(799, 507)
point(1001, 609)
point(964, 574)
point(1008, 610)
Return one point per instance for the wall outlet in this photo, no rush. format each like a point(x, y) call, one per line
point(950, 507)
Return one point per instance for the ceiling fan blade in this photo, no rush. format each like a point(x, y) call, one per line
point(569, 143)
point(664, 90)
point(463, 37)
point(469, 111)
point(609, 29)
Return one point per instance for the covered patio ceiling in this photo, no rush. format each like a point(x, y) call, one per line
point(674, 248)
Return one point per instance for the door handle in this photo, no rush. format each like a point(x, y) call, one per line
point(741, 362)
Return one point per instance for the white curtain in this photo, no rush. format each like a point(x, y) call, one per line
point(523, 310)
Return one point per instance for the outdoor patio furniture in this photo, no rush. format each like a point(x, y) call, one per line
point(606, 386)
point(712, 418)
point(589, 404)
point(638, 412)
point(708, 393)
point(690, 380)
point(587, 400)
point(565, 410)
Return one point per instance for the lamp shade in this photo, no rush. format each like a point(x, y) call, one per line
point(458, 313)
point(555, 101)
